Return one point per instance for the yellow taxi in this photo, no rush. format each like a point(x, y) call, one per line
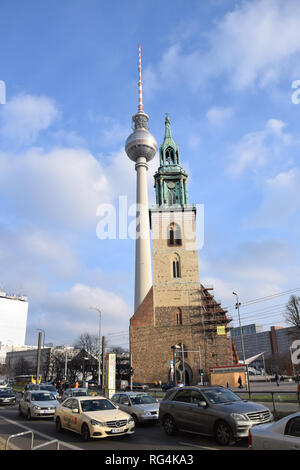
point(92, 417)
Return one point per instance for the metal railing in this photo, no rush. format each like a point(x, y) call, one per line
point(283, 397)
point(17, 435)
point(12, 436)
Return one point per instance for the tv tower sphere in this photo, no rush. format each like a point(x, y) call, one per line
point(141, 142)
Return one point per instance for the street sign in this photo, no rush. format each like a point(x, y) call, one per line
point(221, 330)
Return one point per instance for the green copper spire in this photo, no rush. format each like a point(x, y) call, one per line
point(168, 150)
point(170, 178)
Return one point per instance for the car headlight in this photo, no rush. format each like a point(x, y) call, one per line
point(36, 407)
point(94, 422)
point(238, 417)
point(131, 420)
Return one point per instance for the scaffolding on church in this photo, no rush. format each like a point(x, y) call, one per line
point(214, 323)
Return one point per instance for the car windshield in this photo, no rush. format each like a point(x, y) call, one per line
point(42, 396)
point(5, 391)
point(96, 405)
point(221, 395)
point(141, 399)
point(51, 388)
point(80, 393)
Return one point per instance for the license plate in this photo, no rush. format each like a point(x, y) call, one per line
point(115, 431)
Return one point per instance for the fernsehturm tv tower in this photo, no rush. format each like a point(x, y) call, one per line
point(141, 147)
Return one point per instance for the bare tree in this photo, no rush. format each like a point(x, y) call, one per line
point(292, 314)
point(88, 342)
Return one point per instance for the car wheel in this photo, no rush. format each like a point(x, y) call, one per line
point(135, 419)
point(223, 433)
point(58, 425)
point(85, 432)
point(170, 426)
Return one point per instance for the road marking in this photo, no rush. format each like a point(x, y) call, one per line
point(45, 436)
point(197, 446)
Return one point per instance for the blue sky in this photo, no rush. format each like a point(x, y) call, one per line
point(223, 70)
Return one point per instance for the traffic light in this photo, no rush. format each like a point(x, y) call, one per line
point(201, 372)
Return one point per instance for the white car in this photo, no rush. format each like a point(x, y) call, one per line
point(279, 435)
point(93, 417)
point(38, 404)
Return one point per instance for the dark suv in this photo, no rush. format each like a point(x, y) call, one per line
point(211, 411)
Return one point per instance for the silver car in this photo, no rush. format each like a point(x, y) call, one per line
point(280, 435)
point(211, 411)
point(75, 392)
point(38, 404)
point(141, 406)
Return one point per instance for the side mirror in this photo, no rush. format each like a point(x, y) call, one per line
point(75, 410)
point(202, 404)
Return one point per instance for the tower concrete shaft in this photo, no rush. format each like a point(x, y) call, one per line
point(143, 271)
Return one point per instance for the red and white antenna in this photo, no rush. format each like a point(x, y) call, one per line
point(140, 81)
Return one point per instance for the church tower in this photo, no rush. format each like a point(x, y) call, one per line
point(173, 222)
point(178, 326)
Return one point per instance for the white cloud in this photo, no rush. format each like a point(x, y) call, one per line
point(218, 116)
point(280, 202)
point(24, 116)
point(255, 149)
point(254, 44)
point(63, 186)
point(27, 251)
point(68, 313)
point(254, 269)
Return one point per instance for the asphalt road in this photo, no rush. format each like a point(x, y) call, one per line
point(146, 437)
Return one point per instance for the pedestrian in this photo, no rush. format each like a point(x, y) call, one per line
point(277, 379)
point(240, 382)
point(76, 384)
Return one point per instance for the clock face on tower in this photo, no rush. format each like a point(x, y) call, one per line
point(171, 185)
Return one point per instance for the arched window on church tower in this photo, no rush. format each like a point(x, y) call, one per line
point(170, 157)
point(176, 267)
point(177, 316)
point(174, 235)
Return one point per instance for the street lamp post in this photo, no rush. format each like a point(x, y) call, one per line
point(99, 346)
point(242, 337)
point(174, 359)
point(83, 369)
point(44, 334)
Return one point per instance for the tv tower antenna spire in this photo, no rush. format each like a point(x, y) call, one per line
point(140, 81)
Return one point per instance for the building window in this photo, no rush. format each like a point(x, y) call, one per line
point(178, 316)
point(174, 235)
point(176, 267)
point(170, 156)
